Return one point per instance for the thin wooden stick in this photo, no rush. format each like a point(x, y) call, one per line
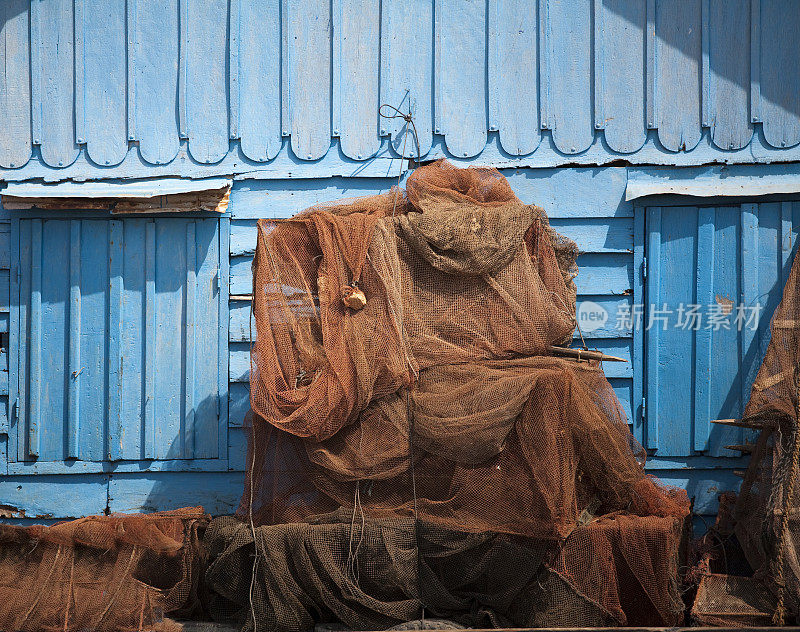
point(746, 448)
point(739, 423)
point(583, 354)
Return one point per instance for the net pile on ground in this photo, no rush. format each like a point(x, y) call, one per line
point(119, 572)
point(726, 593)
point(409, 423)
point(768, 507)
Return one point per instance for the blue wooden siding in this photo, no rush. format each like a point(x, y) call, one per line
point(587, 204)
point(718, 256)
point(115, 332)
point(283, 94)
point(288, 88)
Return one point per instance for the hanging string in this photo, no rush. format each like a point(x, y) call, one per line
point(352, 567)
point(252, 468)
point(393, 113)
point(388, 111)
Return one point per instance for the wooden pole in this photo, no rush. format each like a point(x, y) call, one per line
point(744, 448)
point(738, 423)
point(583, 354)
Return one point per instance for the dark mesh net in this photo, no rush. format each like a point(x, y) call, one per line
point(732, 601)
point(768, 507)
point(414, 437)
point(101, 573)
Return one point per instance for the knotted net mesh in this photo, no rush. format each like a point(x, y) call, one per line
point(415, 446)
point(768, 507)
point(102, 573)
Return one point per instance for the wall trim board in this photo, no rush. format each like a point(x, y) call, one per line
point(713, 181)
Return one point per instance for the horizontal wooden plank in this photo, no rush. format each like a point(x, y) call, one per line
point(254, 199)
point(679, 185)
point(239, 362)
point(213, 200)
point(613, 234)
point(53, 496)
point(563, 193)
point(574, 192)
point(237, 449)
point(600, 273)
point(72, 468)
point(605, 273)
point(704, 486)
point(697, 462)
point(218, 493)
point(238, 403)
point(603, 316)
point(240, 329)
point(620, 347)
point(243, 237)
point(241, 275)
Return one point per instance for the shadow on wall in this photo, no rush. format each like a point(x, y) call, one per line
point(218, 490)
point(679, 27)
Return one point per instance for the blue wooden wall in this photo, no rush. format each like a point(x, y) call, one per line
point(274, 88)
point(283, 95)
point(586, 204)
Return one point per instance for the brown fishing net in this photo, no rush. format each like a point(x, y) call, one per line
point(101, 573)
point(377, 572)
point(414, 436)
point(768, 507)
point(764, 526)
point(732, 601)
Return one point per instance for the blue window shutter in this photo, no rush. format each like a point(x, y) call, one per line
point(711, 256)
point(118, 342)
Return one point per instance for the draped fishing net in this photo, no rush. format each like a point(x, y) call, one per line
point(764, 525)
point(768, 506)
point(416, 447)
point(119, 572)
